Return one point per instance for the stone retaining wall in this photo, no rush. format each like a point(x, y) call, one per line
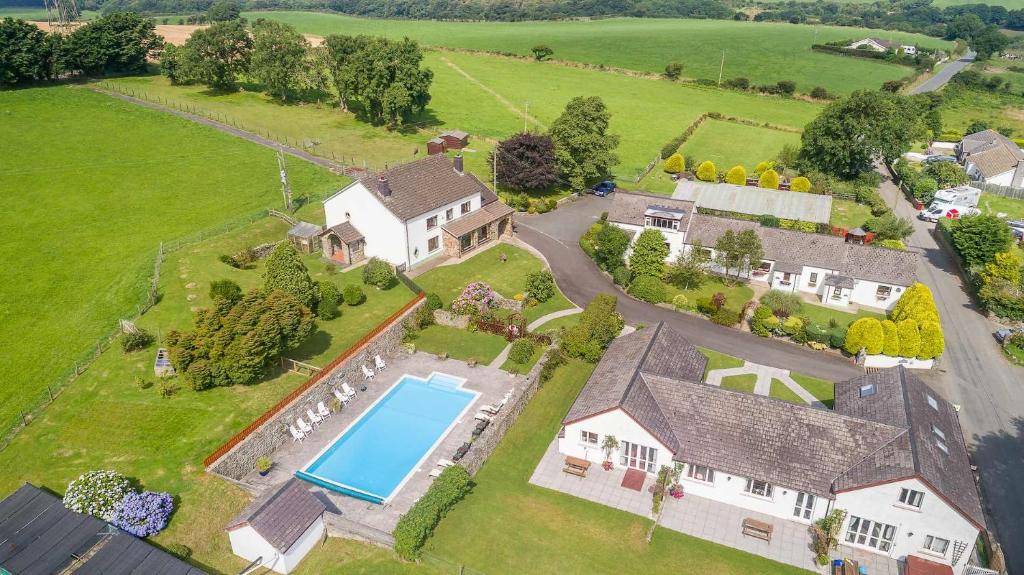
point(265, 440)
point(445, 317)
point(338, 526)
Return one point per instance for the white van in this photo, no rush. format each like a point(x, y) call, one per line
point(961, 196)
point(935, 213)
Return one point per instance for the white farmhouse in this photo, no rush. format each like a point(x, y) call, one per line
point(992, 158)
point(411, 213)
point(874, 44)
point(891, 454)
point(279, 528)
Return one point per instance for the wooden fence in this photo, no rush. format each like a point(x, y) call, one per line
point(313, 380)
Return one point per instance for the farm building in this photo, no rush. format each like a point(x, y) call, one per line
point(436, 146)
point(455, 139)
point(279, 528)
point(755, 201)
point(305, 237)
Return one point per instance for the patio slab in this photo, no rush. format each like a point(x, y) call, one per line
point(492, 384)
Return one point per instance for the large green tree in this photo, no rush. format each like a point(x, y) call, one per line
point(610, 246)
point(649, 253)
point(286, 272)
point(690, 268)
point(385, 78)
point(117, 42)
point(340, 50)
point(526, 162)
point(278, 56)
point(583, 146)
point(25, 53)
point(979, 238)
point(224, 10)
point(213, 56)
point(851, 133)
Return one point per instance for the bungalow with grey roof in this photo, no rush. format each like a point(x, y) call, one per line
point(891, 453)
point(992, 158)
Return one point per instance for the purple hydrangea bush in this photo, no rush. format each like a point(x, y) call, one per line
point(97, 493)
point(144, 514)
point(475, 299)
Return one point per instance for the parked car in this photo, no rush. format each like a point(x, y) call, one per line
point(936, 159)
point(1004, 333)
point(1017, 227)
point(936, 213)
point(603, 189)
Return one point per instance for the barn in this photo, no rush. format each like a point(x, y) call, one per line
point(455, 139)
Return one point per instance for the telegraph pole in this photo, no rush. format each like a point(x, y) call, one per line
point(494, 168)
point(286, 189)
point(721, 68)
point(526, 117)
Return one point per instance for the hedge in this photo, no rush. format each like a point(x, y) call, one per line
point(649, 289)
point(418, 524)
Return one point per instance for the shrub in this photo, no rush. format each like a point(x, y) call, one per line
point(417, 524)
point(329, 297)
point(718, 300)
point(725, 316)
point(286, 272)
point(704, 306)
point(916, 303)
point(649, 289)
point(817, 333)
point(737, 175)
point(599, 324)
point(675, 164)
point(680, 301)
point(353, 294)
point(144, 514)
point(893, 244)
point(673, 70)
point(97, 493)
point(837, 338)
point(245, 257)
point(782, 303)
point(649, 253)
point(229, 260)
point(909, 338)
point(793, 326)
point(610, 245)
point(891, 345)
point(522, 350)
point(932, 341)
point(923, 189)
point(552, 204)
point(819, 93)
point(769, 221)
point(379, 273)
point(136, 340)
point(706, 172)
point(865, 333)
point(540, 285)
point(800, 184)
point(757, 323)
point(622, 276)
point(555, 359)
point(475, 299)
point(433, 301)
point(225, 289)
point(768, 179)
point(761, 167)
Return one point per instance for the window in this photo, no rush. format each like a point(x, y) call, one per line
point(804, 507)
point(911, 497)
point(813, 279)
point(588, 437)
point(867, 390)
point(936, 544)
point(883, 292)
point(431, 222)
point(450, 214)
point(639, 457)
point(700, 473)
point(870, 533)
point(663, 223)
point(759, 488)
point(764, 266)
point(931, 401)
point(464, 208)
point(837, 293)
point(938, 432)
point(787, 278)
point(433, 243)
point(942, 445)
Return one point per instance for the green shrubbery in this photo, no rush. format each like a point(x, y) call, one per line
point(706, 171)
point(286, 272)
point(649, 289)
point(599, 324)
point(768, 179)
point(378, 273)
point(649, 253)
point(540, 285)
point(737, 176)
point(136, 340)
point(675, 163)
point(329, 297)
point(225, 289)
point(522, 350)
point(782, 303)
point(417, 524)
point(725, 316)
point(353, 295)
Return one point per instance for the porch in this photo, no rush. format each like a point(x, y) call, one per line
point(343, 244)
point(467, 233)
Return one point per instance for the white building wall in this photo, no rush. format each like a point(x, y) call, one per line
point(864, 293)
point(818, 287)
point(249, 545)
point(616, 423)
point(729, 488)
point(1003, 179)
point(779, 281)
point(419, 234)
point(935, 517)
point(674, 239)
point(384, 232)
point(306, 542)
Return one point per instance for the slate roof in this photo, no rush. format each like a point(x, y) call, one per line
point(281, 515)
point(305, 230)
point(756, 201)
point(629, 208)
point(424, 185)
point(464, 224)
point(991, 152)
point(39, 536)
point(901, 399)
point(346, 232)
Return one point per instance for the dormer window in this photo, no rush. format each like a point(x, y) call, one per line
point(663, 223)
point(663, 218)
point(867, 390)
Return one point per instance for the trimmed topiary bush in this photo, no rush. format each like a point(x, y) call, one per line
point(837, 338)
point(800, 184)
point(817, 333)
point(768, 179)
point(353, 295)
point(680, 301)
point(97, 493)
point(737, 175)
point(675, 164)
point(540, 285)
point(417, 524)
point(892, 338)
point(910, 338)
point(649, 289)
point(379, 273)
point(865, 333)
point(522, 350)
point(706, 171)
point(932, 340)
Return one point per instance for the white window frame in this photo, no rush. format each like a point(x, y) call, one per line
point(872, 534)
point(942, 445)
point(867, 390)
point(433, 239)
point(931, 542)
point(883, 292)
point(938, 432)
point(466, 207)
point(449, 214)
point(639, 457)
point(765, 492)
point(932, 401)
point(812, 280)
point(804, 506)
point(661, 223)
point(700, 473)
point(432, 222)
point(911, 497)
point(586, 436)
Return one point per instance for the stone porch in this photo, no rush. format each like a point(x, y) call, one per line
point(700, 517)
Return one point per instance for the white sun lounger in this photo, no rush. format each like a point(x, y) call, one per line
point(316, 419)
point(367, 372)
point(304, 426)
point(377, 361)
point(445, 463)
point(483, 417)
point(296, 434)
point(435, 472)
point(494, 409)
point(322, 410)
point(348, 390)
point(341, 396)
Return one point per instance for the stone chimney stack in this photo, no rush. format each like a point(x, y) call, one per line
point(458, 163)
point(383, 187)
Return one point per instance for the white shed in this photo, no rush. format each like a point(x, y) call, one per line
point(279, 528)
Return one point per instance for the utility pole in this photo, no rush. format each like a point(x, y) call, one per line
point(526, 117)
point(721, 68)
point(494, 168)
point(286, 189)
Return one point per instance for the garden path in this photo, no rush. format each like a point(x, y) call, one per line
point(765, 374)
point(498, 361)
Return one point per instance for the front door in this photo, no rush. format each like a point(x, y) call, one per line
point(639, 457)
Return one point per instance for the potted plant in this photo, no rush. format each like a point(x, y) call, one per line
point(609, 446)
point(263, 465)
point(335, 405)
point(675, 489)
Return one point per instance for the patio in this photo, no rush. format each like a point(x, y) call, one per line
point(292, 456)
point(700, 517)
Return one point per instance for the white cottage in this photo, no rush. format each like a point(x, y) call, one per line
point(279, 528)
point(891, 454)
point(992, 158)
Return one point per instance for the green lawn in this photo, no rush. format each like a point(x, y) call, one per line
point(460, 344)
point(507, 526)
point(744, 382)
point(763, 52)
point(91, 208)
point(995, 109)
point(515, 367)
point(558, 323)
point(736, 296)
point(847, 214)
point(823, 390)
point(823, 315)
point(507, 278)
point(780, 391)
point(32, 13)
point(1014, 353)
point(1013, 208)
point(718, 360)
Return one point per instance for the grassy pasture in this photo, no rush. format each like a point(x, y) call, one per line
point(728, 144)
point(92, 206)
point(763, 52)
point(32, 13)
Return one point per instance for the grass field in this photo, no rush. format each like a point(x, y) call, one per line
point(92, 206)
point(763, 52)
point(744, 382)
point(779, 390)
point(460, 344)
point(736, 295)
point(1013, 208)
point(847, 214)
point(824, 315)
point(29, 13)
point(728, 144)
point(996, 110)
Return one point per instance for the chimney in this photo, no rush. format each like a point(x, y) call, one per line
point(383, 187)
point(458, 163)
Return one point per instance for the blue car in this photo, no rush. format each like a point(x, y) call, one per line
point(1006, 332)
point(604, 188)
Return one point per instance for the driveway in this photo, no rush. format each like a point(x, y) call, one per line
point(974, 374)
point(556, 234)
point(945, 74)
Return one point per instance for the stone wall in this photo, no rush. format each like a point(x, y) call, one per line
point(236, 463)
point(445, 317)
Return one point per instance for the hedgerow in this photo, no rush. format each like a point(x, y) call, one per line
point(418, 524)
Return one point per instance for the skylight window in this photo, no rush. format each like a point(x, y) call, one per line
point(942, 445)
point(932, 402)
point(938, 433)
point(867, 390)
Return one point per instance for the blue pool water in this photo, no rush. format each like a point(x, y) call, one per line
point(379, 450)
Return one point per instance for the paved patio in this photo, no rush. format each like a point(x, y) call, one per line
point(700, 517)
point(292, 456)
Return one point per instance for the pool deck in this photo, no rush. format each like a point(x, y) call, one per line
point(491, 383)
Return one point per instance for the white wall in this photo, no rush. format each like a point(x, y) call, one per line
point(419, 234)
point(729, 488)
point(864, 294)
point(616, 423)
point(249, 545)
point(306, 542)
point(805, 280)
point(1003, 179)
point(384, 233)
point(673, 238)
point(778, 279)
point(935, 517)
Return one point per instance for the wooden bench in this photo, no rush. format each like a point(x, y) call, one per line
point(576, 466)
point(757, 529)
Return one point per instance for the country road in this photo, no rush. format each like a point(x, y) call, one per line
point(944, 75)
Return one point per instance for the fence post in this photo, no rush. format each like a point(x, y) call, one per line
point(49, 391)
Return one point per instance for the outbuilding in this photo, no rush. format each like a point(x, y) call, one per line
point(455, 139)
point(305, 237)
point(279, 528)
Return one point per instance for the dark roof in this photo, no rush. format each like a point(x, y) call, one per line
point(629, 208)
point(844, 282)
point(991, 152)
point(458, 134)
point(756, 201)
point(901, 399)
point(281, 515)
point(305, 230)
point(464, 224)
point(881, 42)
point(424, 185)
point(346, 232)
point(38, 535)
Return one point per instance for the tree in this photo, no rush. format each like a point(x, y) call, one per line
point(542, 52)
point(598, 325)
point(340, 50)
point(278, 53)
point(910, 338)
point(965, 27)
point(768, 179)
point(328, 298)
point(649, 289)
point(737, 176)
point(379, 273)
point(891, 337)
point(850, 133)
point(540, 285)
point(989, 42)
point(526, 162)
point(649, 253)
point(610, 247)
point(673, 71)
point(385, 79)
point(976, 126)
point(727, 251)
point(800, 184)
point(924, 189)
point(751, 252)
point(865, 333)
point(946, 174)
point(286, 272)
point(917, 304)
point(690, 268)
point(215, 56)
point(117, 42)
point(583, 145)
point(890, 227)
point(675, 164)
point(819, 93)
point(979, 238)
point(932, 341)
point(225, 289)
point(25, 54)
point(706, 171)
point(224, 10)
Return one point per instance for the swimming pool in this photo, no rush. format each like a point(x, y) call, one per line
point(375, 454)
